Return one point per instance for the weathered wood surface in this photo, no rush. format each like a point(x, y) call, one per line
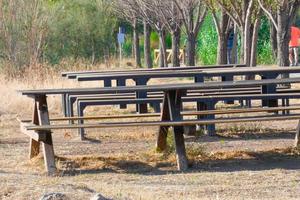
point(47, 144)
point(184, 113)
point(249, 71)
point(167, 123)
point(165, 87)
point(297, 137)
point(74, 74)
point(161, 142)
point(174, 108)
point(34, 143)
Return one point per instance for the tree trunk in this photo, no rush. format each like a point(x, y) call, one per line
point(175, 48)
point(222, 49)
point(136, 45)
point(242, 35)
point(234, 51)
point(191, 49)
point(273, 38)
point(283, 38)
point(147, 47)
point(222, 38)
point(253, 61)
point(162, 49)
point(247, 42)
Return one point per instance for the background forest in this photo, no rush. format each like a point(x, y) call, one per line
point(57, 31)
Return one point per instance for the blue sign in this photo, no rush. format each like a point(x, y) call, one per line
point(121, 38)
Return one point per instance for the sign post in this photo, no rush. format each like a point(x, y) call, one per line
point(121, 40)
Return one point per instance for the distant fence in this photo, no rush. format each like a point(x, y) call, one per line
point(169, 55)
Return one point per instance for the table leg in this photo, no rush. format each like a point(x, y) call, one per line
point(34, 146)
point(47, 145)
point(297, 138)
point(122, 82)
point(80, 112)
point(227, 78)
point(267, 89)
point(211, 128)
point(175, 104)
point(64, 104)
point(107, 83)
point(161, 143)
point(200, 105)
point(141, 108)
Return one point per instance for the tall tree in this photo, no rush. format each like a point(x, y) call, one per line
point(126, 9)
point(192, 13)
point(241, 12)
point(169, 15)
point(147, 43)
point(281, 13)
point(223, 26)
point(148, 10)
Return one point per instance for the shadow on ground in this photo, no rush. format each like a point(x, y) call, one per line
point(288, 159)
point(270, 135)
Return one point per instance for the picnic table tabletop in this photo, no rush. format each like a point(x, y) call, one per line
point(73, 74)
point(162, 87)
point(267, 71)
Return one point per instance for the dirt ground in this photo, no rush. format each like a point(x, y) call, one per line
point(255, 164)
point(246, 161)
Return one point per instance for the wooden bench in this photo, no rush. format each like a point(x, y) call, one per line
point(39, 129)
point(142, 78)
point(121, 81)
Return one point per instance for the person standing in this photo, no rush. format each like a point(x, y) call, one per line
point(294, 46)
point(230, 43)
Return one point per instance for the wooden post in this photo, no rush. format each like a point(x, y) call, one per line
point(34, 146)
point(211, 128)
point(174, 103)
point(64, 105)
point(268, 89)
point(122, 82)
point(48, 151)
point(161, 143)
point(297, 138)
point(107, 83)
point(141, 108)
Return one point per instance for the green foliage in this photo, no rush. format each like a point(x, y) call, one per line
point(207, 42)
point(127, 47)
point(264, 49)
point(81, 29)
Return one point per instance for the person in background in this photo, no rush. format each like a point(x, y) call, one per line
point(294, 46)
point(230, 42)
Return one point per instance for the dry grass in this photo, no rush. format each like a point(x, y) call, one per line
point(248, 161)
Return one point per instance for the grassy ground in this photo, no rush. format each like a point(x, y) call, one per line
point(247, 161)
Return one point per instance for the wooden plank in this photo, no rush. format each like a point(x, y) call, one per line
point(48, 151)
point(35, 136)
point(67, 74)
point(185, 113)
point(164, 87)
point(161, 143)
point(167, 123)
point(174, 104)
point(34, 141)
point(192, 73)
point(297, 137)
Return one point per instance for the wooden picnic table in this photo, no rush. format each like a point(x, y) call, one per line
point(142, 77)
point(74, 74)
point(171, 112)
